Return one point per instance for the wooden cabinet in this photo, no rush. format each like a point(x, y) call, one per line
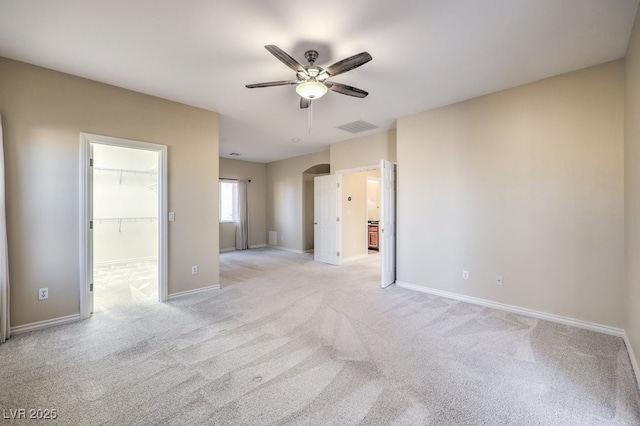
point(373, 237)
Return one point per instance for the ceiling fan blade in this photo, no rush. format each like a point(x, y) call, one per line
point(346, 90)
point(285, 58)
point(304, 102)
point(272, 83)
point(348, 64)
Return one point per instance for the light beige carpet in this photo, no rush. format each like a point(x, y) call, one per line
point(291, 341)
point(122, 283)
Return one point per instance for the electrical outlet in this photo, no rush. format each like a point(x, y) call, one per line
point(465, 275)
point(499, 280)
point(194, 269)
point(43, 293)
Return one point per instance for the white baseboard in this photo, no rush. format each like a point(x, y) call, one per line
point(45, 324)
point(228, 249)
point(286, 249)
point(515, 309)
point(256, 246)
point(189, 292)
point(632, 356)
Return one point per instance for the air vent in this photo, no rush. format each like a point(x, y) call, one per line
point(235, 154)
point(357, 126)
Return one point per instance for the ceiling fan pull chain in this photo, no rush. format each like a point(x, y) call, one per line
point(310, 115)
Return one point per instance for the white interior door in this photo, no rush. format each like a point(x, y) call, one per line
point(388, 222)
point(326, 219)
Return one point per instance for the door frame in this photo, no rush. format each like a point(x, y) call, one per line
point(86, 139)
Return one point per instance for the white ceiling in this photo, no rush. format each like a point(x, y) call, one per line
point(426, 53)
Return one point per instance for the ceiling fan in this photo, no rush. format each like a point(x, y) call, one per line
point(312, 81)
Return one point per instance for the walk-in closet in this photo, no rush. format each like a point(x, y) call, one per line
point(125, 226)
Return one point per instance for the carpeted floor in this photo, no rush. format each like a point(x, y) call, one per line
point(291, 341)
point(124, 283)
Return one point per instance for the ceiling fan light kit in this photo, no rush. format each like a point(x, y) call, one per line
point(311, 89)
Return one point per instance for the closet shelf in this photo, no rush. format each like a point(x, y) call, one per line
point(142, 172)
point(124, 219)
point(119, 220)
point(152, 172)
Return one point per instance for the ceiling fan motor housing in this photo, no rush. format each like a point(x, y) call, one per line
point(311, 56)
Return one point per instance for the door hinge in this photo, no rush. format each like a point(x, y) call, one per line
point(91, 287)
point(90, 162)
point(337, 253)
point(90, 224)
point(337, 219)
point(338, 185)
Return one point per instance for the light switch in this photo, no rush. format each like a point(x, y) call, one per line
point(172, 216)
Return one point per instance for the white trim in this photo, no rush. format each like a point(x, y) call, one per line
point(189, 292)
point(123, 261)
point(257, 246)
point(226, 250)
point(45, 324)
point(286, 249)
point(86, 139)
point(516, 310)
point(632, 356)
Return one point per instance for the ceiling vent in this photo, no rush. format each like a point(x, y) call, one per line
point(357, 126)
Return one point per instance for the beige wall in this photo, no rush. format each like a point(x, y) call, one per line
point(632, 189)
point(285, 198)
point(364, 151)
point(43, 113)
point(354, 215)
point(527, 183)
point(256, 202)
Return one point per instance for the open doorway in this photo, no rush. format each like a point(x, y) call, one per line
point(373, 212)
point(361, 214)
point(123, 200)
point(354, 235)
point(125, 226)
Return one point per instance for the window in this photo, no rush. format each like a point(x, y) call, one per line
point(228, 201)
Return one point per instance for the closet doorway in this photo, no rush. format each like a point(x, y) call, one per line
point(124, 201)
